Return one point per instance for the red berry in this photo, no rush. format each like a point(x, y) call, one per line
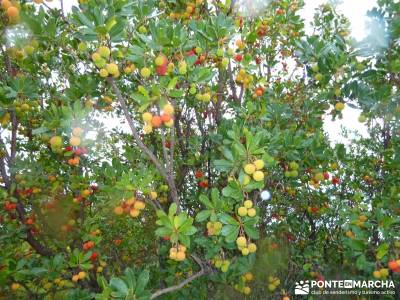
point(326, 175)
point(198, 174)
point(238, 57)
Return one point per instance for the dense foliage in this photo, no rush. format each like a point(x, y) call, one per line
point(176, 149)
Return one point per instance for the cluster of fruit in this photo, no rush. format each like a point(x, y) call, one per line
point(394, 265)
point(60, 282)
point(214, 228)
point(11, 9)
point(155, 121)
point(205, 97)
point(244, 78)
point(75, 141)
point(361, 220)
point(244, 246)
point(381, 273)
point(161, 63)
point(188, 12)
point(100, 59)
point(318, 178)
point(247, 209)
point(177, 253)
point(203, 182)
point(293, 170)
point(132, 206)
point(242, 287)
point(80, 276)
point(254, 169)
point(273, 283)
point(222, 264)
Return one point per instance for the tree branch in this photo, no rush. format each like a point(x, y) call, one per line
point(173, 288)
point(29, 236)
point(142, 146)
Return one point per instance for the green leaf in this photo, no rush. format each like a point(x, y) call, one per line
point(227, 219)
point(172, 209)
point(179, 220)
point(203, 215)
point(223, 165)
point(203, 199)
point(232, 236)
point(119, 285)
point(382, 250)
point(142, 281)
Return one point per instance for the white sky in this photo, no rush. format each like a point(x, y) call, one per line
point(355, 11)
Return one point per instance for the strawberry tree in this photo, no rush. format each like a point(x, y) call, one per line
point(176, 150)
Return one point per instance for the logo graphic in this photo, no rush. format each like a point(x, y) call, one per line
point(302, 288)
point(348, 284)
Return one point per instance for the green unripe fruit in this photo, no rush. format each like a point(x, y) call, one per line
point(142, 29)
point(145, 72)
point(315, 67)
point(362, 118)
point(104, 51)
point(294, 165)
point(82, 47)
point(318, 77)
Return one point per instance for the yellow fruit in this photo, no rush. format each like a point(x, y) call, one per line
point(242, 211)
point(82, 275)
point(339, 106)
point(250, 168)
point(384, 272)
point(377, 274)
point(112, 68)
point(252, 247)
point(153, 195)
point(145, 72)
point(96, 57)
point(74, 141)
point(86, 193)
point(241, 241)
point(172, 255)
point(245, 251)
point(147, 128)
point(248, 276)
point(77, 131)
point(160, 60)
point(147, 117)
point(134, 212)
point(258, 176)
point(118, 210)
point(15, 286)
point(180, 256)
point(259, 163)
point(99, 269)
point(103, 73)
point(56, 141)
point(246, 290)
point(170, 123)
point(248, 204)
point(251, 212)
point(168, 109)
point(104, 51)
point(75, 278)
point(139, 205)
